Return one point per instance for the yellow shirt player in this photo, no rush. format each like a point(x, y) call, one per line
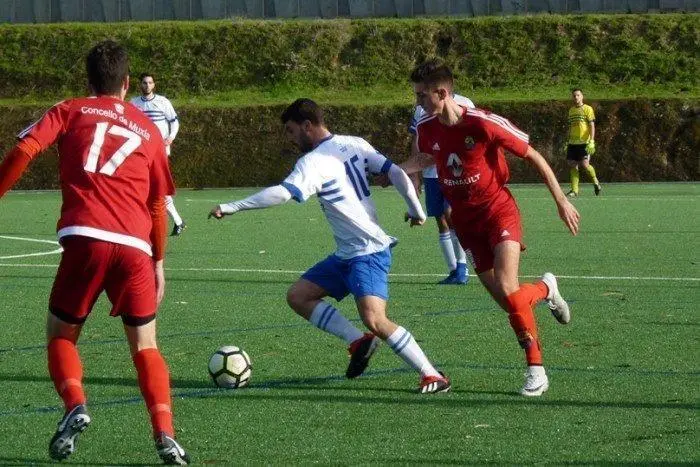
point(581, 143)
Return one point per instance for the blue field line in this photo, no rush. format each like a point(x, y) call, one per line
point(281, 383)
point(231, 330)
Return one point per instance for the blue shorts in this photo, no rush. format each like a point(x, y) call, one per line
point(435, 203)
point(360, 276)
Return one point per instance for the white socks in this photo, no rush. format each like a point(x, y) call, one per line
point(457, 248)
point(448, 251)
point(406, 347)
point(170, 206)
point(327, 318)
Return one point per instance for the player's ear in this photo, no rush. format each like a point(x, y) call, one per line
point(442, 93)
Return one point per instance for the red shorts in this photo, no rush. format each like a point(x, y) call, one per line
point(89, 266)
point(481, 235)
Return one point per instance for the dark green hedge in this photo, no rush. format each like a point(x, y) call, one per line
point(636, 140)
point(194, 57)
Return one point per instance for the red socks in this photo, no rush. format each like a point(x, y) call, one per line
point(522, 318)
point(66, 372)
point(154, 381)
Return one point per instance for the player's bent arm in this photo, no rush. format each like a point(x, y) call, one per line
point(270, 196)
point(404, 186)
point(174, 128)
point(591, 124)
point(417, 162)
point(567, 211)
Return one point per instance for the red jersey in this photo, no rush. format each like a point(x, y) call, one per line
point(471, 166)
point(111, 161)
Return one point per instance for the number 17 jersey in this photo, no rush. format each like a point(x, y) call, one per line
point(111, 160)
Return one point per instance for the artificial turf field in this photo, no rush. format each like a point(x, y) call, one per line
point(624, 375)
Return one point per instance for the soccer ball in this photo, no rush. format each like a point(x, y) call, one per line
point(230, 367)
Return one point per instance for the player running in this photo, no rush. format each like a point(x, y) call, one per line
point(467, 145)
point(161, 112)
point(114, 178)
point(335, 169)
point(437, 207)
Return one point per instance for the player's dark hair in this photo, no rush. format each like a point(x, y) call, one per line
point(145, 75)
point(432, 73)
point(301, 110)
point(576, 89)
point(107, 66)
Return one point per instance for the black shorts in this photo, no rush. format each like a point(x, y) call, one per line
point(576, 152)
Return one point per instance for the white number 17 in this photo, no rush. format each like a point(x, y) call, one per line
point(132, 142)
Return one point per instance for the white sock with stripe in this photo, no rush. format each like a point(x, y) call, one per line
point(457, 249)
point(405, 346)
point(448, 251)
point(170, 206)
point(327, 318)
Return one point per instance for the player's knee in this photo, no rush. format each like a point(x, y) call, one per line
point(296, 298)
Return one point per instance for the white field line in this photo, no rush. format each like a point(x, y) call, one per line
point(286, 271)
point(36, 240)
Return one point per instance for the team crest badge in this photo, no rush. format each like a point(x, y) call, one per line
point(469, 142)
point(119, 108)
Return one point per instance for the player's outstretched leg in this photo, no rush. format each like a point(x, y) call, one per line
point(73, 423)
point(373, 312)
point(170, 451)
point(555, 302)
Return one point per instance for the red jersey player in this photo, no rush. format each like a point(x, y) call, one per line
point(467, 147)
point(114, 176)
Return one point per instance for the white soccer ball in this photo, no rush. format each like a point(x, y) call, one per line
point(230, 367)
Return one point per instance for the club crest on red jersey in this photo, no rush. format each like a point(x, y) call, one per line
point(119, 108)
point(469, 142)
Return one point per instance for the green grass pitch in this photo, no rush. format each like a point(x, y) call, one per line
point(624, 374)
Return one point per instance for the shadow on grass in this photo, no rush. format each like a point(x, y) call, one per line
point(34, 461)
point(318, 391)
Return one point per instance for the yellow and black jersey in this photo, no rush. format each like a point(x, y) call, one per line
point(579, 124)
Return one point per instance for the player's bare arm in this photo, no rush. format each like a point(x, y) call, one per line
point(567, 211)
point(403, 185)
point(270, 196)
point(417, 162)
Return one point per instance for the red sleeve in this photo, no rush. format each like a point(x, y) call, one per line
point(161, 179)
point(160, 225)
point(505, 134)
point(15, 163)
point(422, 140)
point(49, 127)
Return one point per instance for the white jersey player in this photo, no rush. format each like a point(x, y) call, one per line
point(335, 169)
point(437, 207)
point(160, 110)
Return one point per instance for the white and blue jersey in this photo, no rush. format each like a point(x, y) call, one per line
point(419, 113)
point(161, 112)
point(336, 170)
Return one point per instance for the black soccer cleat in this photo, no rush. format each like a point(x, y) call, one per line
point(597, 189)
point(572, 194)
point(360, 352)
point(178, 229)
point(63, 442)
point(170, 452)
